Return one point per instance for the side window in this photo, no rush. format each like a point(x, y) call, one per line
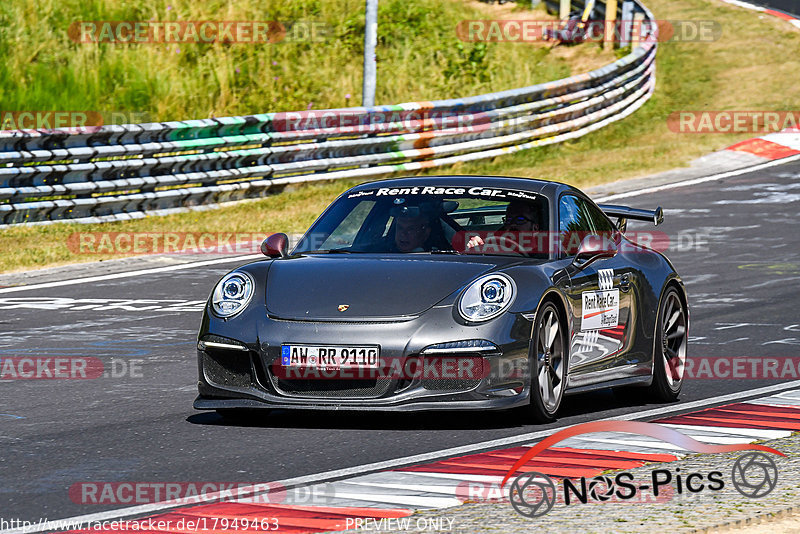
point(599, 221)
point(572, 215)
point(575, 223)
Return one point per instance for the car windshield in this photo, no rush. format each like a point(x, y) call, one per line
point(433, 220)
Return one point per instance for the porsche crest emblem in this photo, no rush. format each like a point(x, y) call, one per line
point(343, 307)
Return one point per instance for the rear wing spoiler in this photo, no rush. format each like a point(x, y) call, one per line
point(623, 213)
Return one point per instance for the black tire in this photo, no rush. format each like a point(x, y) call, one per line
point(549, 364)
point(669, 348)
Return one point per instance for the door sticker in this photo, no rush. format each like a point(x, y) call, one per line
point(600, 309)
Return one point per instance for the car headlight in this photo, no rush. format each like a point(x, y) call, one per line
point(232, 294)
point(487, 297)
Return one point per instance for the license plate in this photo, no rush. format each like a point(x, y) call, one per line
point(330, 356)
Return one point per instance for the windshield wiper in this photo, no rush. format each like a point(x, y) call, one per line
point(446, 251)
point(330, 251)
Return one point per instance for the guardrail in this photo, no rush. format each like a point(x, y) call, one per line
point(127, 171)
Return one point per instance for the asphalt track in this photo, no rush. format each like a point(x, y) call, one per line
point(736, 243)
point(787, 6)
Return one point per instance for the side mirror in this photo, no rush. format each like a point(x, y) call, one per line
point(593, 247)
point(275, 246)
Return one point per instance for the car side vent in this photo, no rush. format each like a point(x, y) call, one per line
point(227, 368)
point(445, 374)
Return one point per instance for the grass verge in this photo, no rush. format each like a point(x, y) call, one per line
point(316, 65)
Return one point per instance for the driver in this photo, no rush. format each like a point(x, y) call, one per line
point(412, 233)
point(416, 227)
point(520, 217)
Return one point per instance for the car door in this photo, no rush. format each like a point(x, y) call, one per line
point(598, 291)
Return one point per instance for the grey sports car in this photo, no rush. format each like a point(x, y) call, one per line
point(447, 292)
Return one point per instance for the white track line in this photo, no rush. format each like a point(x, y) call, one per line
point(419, 458)
point(748, 432)
point(416, 501)
point(128, 274)
point(729, 440)
point(792, 397)
point(444, 489)
point(695, 181)
point(745, 5)
point(630, 445)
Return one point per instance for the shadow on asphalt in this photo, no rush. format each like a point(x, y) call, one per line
point(579, 407)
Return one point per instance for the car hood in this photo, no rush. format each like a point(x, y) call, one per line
point(314, 287)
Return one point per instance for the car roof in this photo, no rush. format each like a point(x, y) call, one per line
point(532, 185)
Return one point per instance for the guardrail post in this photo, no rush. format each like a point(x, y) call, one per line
point(370, 41)
point(564, 8)
point(627, 20)
point(636, 31)
point(611, 19)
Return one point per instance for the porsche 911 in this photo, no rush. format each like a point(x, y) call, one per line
point(447, 293)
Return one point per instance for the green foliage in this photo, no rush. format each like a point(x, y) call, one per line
point(419, 58)
point(469, 64)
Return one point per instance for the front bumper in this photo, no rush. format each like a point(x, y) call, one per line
point(249, 376)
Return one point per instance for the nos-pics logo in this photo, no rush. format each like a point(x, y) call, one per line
point(533, 494)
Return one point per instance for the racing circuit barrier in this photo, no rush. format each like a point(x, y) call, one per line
point(119, 172)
